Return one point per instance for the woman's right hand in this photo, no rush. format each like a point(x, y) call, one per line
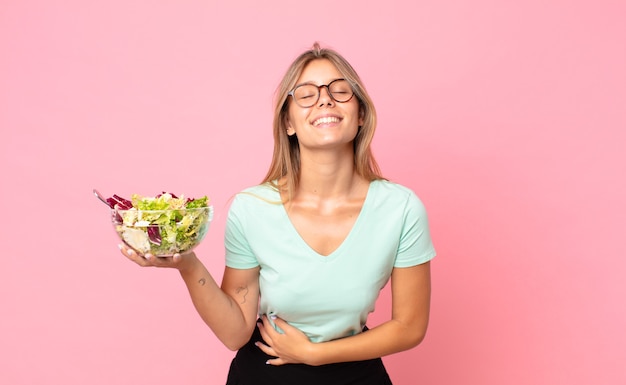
point(177, 261)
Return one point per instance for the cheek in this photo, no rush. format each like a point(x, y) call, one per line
point(296, 116)
point(293, 119)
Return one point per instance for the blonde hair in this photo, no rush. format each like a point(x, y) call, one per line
point(286, 157)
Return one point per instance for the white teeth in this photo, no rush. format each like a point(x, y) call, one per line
point(325, 120)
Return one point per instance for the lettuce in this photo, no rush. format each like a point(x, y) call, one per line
point(162, 225)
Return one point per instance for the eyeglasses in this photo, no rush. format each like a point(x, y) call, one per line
point(306, 95)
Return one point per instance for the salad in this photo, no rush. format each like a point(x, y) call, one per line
point(162, 225)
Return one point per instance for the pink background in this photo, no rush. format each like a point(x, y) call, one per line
point(507, 118)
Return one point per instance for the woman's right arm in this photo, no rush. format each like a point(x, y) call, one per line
point(231, 310)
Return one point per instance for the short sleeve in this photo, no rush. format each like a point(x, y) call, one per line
point(238, 252)
point(416, 246)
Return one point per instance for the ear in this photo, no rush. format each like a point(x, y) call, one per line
point(290, 130)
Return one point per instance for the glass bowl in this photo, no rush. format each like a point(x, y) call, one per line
point(162, 233)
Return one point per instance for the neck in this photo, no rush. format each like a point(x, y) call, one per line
point(328, 174)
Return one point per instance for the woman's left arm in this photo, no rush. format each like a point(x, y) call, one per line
point(410, 290)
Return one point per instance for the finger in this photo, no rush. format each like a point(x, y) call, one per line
point(132, 255)
point(159, 261)
point(266, 320)
point(276, 361)
point(269, 328)
point(283, 326)
point(281, 323)
point(265, 349)
point(264, 333)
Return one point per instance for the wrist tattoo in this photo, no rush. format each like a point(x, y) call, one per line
point(202, 281)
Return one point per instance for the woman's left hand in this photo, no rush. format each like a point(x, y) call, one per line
point(290, 347)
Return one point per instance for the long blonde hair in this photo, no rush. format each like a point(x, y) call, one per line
point(286, 157)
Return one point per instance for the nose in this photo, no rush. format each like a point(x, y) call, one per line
point(325, 98)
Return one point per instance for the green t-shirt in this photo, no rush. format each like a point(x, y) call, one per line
point(327, 297)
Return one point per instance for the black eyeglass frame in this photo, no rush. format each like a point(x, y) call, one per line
point(319, 92)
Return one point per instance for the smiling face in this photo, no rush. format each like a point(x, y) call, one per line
point(327, 123)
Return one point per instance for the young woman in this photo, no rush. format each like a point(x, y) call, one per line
point(309, 249)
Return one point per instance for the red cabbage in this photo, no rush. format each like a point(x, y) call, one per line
point(154, 235)
point(121, 203)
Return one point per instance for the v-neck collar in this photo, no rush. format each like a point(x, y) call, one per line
point(346, 241)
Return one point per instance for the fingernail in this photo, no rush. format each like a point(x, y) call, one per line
point(119, 246)
point(267, 362)
point(272, 316)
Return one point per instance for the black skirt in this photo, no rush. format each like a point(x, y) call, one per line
point(249, 368)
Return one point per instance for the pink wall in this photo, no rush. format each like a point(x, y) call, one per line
point(507, 118)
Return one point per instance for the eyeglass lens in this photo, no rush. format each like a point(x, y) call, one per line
point(306, 95)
